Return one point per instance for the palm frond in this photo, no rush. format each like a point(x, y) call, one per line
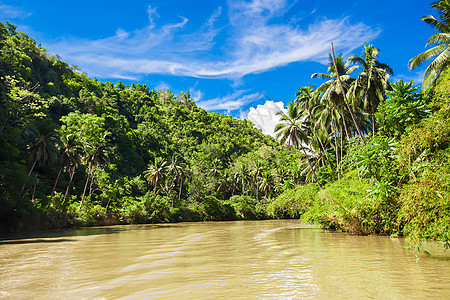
point(438, 38)
point(356, 60)
point(385, 68)
point(439, 62)
point(351, 69)
point(436, 24)
point(321, 76)
point(429, 79)
point(424, 56)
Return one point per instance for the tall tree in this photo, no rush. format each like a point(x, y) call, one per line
point(291, 128)
point(256, 172)
point(440, 53)
point(332, 91)
point(156, 173)
point(371, 83)
point(266, 183)
point(176, 170)
point(41, 143)
point(242, 175)
point(95, 157)
point(68, 158)
point(307, 98)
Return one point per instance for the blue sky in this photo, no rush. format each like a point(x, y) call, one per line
point(232, 55)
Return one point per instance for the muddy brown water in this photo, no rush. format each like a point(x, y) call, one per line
point(279, 259)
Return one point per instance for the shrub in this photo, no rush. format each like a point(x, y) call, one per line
point(425, 211)
point(247, 208)
point(86, 214)
point(293, 203)
point(350, 204)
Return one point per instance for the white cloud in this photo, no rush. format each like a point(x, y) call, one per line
point(196, 94)
point(264, 116)
point(151, 12)
point(230, 102)
point(162, 86)
point(8, 11)
point(254, 43)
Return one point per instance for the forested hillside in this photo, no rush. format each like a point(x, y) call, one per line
point(75, 150)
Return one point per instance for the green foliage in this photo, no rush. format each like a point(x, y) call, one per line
point(68, 142)
point(216, 210)
point(347, 205)
point(247, 208)
point(375, 159)
point(425, 210)
point(293, 203)
point(403, 108)
point(432, 134)
point(86, 214)
point(440, 53)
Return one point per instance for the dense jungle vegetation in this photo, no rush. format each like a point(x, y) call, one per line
point(358, 153)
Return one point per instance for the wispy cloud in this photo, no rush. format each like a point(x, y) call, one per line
point(246, 33)
point(162, 86)
point(416, 76)
point(13, 12)
point(230, 102)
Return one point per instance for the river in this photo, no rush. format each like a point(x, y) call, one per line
point(279, 259)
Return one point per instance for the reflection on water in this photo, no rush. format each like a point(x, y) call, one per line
point(260, 259)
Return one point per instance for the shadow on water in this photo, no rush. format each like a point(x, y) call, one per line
point(438, 257)
point(51, 236)
point(19, 242)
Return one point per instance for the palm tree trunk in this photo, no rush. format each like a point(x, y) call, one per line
point(72, 173)
point(34, 187)
point(342, 143)
point(29, 173)
point(85, 186)
point(32, 167)
point(256, 186)
point(343, 121)
point(336, 150)
point(90, 186)
point(345, 96)
point(310, 166)
point(179, 192)
point(373, 120)
point(56, 182)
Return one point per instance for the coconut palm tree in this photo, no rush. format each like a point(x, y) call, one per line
point(327, 129)
point(266, 183)
point(176, 169)
point(307, 98)
point(440, 53)
point(332, 90)
point(68, 158)
point(156, 173)
point(291, 128)
point(95, 157)
point(371, 83)
point(256, 171)
point(41, 143)
point(242, 175)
